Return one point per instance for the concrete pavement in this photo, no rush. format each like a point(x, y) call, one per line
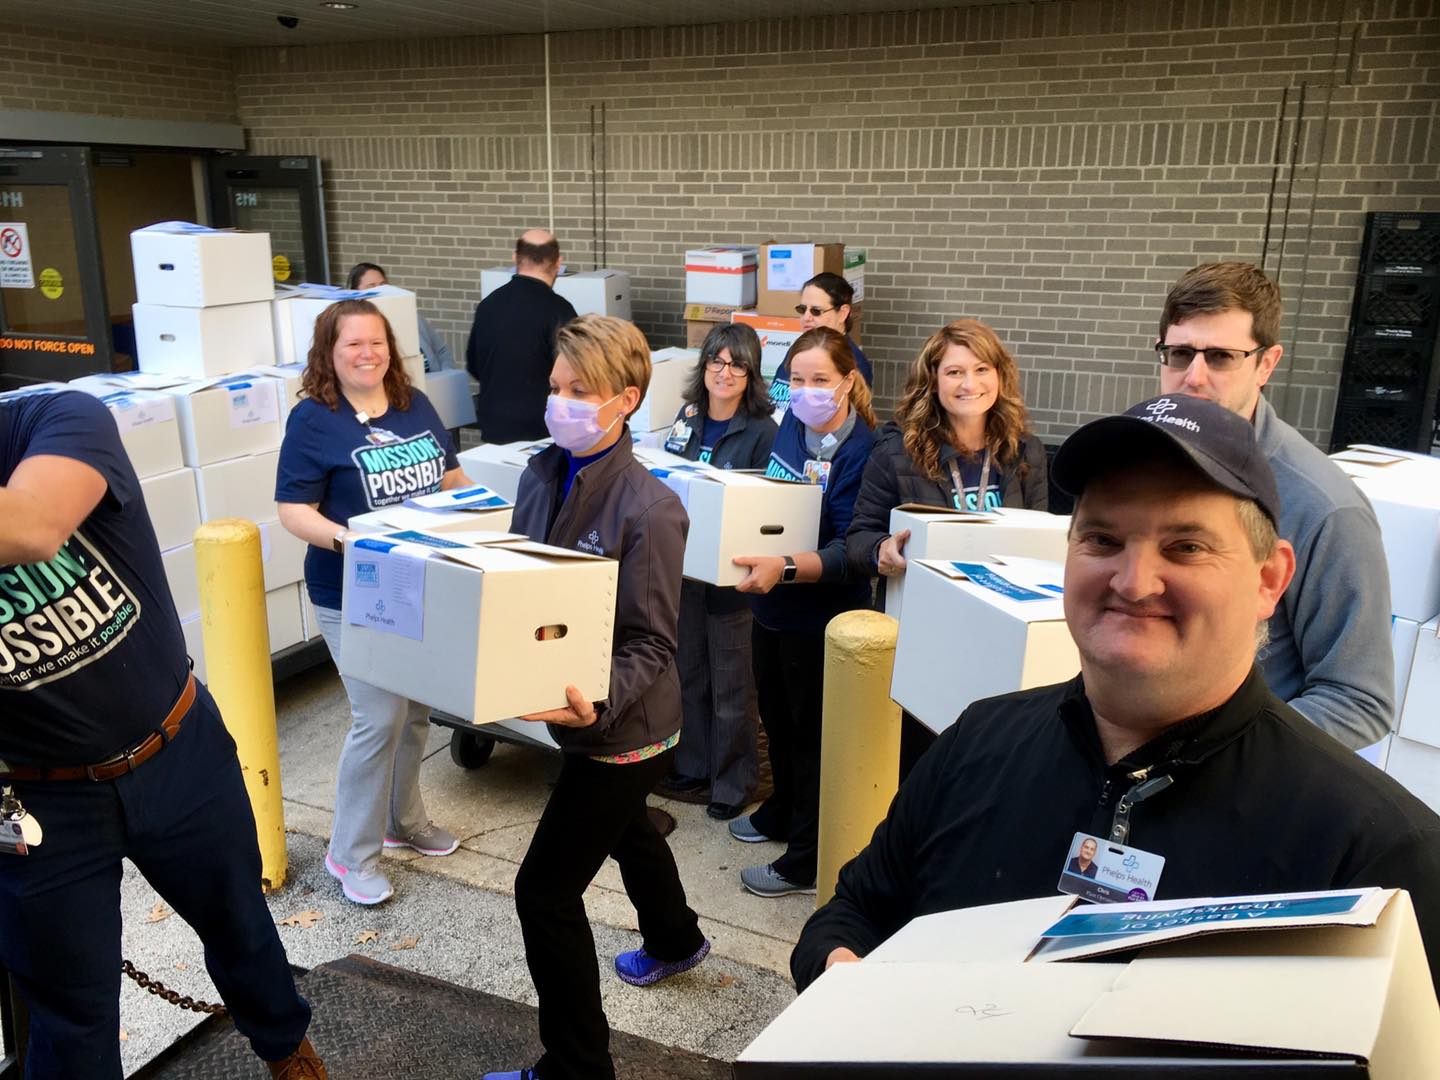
point(461, 907)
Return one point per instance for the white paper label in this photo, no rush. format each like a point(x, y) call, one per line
point(252, 403)
point(385, 590)
point(131, 412)
point(16, 270)
point(788, 268)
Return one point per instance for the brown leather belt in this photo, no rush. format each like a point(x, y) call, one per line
point(121, 763)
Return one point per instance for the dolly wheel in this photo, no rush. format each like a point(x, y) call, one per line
point(469, 750)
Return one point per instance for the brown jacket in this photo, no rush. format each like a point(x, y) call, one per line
point(617, 509)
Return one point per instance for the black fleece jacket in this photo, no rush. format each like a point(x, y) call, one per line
point(1262, 801)
point(893, 479)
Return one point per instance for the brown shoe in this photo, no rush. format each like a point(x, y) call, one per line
point(303, 1064)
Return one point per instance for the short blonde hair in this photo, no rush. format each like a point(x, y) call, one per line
point(606, 352)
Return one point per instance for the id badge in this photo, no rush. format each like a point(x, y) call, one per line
point(1104, 872)
point(817, 472)
point(19, 832)
point(678, 438)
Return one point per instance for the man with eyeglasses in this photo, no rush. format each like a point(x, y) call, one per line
point(1329, 655)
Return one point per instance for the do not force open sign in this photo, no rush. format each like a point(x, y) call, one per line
point(16, 271)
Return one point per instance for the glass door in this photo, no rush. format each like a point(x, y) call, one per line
point(53, 317)
point(280, 196)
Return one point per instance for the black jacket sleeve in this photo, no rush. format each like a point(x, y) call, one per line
point(870, 520)
point(1036, 481)
point(876, 892)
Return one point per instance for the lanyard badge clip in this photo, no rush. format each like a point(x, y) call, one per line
point(1144, 787)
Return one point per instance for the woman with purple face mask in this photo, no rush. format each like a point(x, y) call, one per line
point(824, 439)
point(589, 493)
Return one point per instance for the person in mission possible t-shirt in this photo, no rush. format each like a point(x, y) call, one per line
point(114, 751)
point(363, 439)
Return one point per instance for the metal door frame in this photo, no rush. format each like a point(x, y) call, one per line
point(277, 172)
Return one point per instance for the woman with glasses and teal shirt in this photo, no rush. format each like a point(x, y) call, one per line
point(725, 422)
point(825, 439)
point(825, 300)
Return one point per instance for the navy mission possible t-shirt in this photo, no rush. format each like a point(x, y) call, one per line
point(91, 653)
point(330, 458)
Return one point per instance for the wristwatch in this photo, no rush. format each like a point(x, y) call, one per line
point(788, 574)
point(338, 540)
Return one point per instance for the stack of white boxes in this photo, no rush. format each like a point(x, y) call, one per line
point(1404, 490)
point(206, 344)
point(670, 373)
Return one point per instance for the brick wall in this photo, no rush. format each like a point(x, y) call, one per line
point(57, 72)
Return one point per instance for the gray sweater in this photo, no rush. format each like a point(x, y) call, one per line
point(1329, 655)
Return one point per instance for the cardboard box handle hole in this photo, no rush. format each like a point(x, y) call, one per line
point(551, 633)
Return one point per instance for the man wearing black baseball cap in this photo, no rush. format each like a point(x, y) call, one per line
point(1168, 741)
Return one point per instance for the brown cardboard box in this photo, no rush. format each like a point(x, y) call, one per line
point(784, 268)
point(695, 331)
point(711, 313)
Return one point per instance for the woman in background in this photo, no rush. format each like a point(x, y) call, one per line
point(367, 275)
point(825, 300)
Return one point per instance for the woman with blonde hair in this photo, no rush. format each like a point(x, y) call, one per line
point(825, 439)
point(960, 439)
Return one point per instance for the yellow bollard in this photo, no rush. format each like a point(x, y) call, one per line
point(860, 744)
point(237, 664)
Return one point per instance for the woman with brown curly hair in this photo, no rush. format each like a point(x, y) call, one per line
point(361, 439)
point(960, 440)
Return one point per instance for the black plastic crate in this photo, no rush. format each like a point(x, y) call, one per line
point(1403, 244)
point(1378, 369)
point(1379, 425)
point(1400, 301)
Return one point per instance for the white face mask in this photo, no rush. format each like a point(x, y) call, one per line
point(575, 424)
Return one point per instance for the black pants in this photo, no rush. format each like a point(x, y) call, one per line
point(790, 681)
point(596, 810)
point(184, 819)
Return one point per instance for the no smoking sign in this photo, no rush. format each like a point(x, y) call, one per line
point(16, 271)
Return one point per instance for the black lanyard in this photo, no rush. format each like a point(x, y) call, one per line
point(1145, 786)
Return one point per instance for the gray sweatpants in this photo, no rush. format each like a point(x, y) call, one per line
point(717, 689)
point(377, 782)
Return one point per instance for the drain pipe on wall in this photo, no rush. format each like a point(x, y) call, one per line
point(549, 142)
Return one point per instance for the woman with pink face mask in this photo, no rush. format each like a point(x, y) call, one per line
point(589, 493)
point(825, 438)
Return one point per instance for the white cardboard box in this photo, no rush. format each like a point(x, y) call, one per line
point(1420, 714)
point(499, 465)
point(185, 265)
point(1416, 767)
point(1404, 490)
point(670, 373)
point(179, 563)
point(938, 533)
point(174, 506)
point(597, 292)
point(1403, 634)
point(415, 367)
point(242, 487)
point(282, 613)
point(734, 513)
point(288, 392)
point(311, 624)
point(306, 303)
point(722, 274)
point(442, 522)
point(976, 629)
point(492, 277)
point(483, 606)
point(282, 554)
point(227, 418)
point(1354, 987)
point(449, 391)
point(200, 343)
point(146, 421)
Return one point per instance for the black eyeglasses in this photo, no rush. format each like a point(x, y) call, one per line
point(815, 312)
point(718, 365)
point(1181, 356)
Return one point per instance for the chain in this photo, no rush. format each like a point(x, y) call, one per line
point(159, 989)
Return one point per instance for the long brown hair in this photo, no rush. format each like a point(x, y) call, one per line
point(923, 420)
point(834, 344)
point(319, 380)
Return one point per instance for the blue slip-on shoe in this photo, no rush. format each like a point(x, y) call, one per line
point(514, 1074)
point(639, 968)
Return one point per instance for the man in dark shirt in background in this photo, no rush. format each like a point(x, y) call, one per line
point(512, 343)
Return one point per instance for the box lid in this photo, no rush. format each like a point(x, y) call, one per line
point(1028, 589)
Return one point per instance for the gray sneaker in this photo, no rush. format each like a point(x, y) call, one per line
point(744, 830)
point(431, 840)
point(764, 881)
point(360, 885)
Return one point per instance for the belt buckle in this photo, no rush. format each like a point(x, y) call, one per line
point(126, 756)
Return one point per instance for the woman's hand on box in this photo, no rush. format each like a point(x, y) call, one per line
point(579, 714)
point(764, 575)
point(890, 560)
